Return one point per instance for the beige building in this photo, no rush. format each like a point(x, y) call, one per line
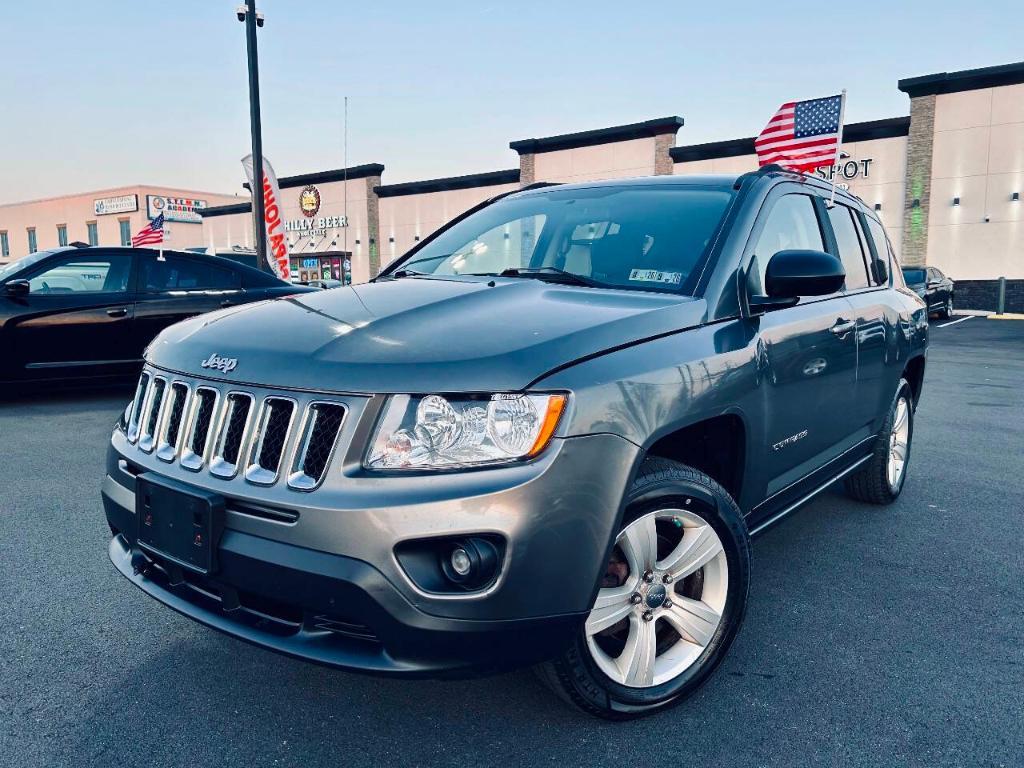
point(946, 180)
point(104, 217)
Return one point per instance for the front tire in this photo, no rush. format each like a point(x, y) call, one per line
point(947, 309)
point(671, 601)
point(880, 480)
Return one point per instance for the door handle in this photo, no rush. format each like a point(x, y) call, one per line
point(118, 312)
point(843, 327)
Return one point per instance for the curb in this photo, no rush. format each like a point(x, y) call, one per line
point(1007, 316)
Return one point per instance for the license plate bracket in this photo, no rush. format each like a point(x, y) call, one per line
point(179, 522)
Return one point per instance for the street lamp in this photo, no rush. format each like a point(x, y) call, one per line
point(252, 18)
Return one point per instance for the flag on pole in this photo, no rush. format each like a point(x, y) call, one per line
point(273, 224)
point(803, 135)
point(150, 234)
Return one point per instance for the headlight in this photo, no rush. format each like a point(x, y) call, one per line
point(434, 432)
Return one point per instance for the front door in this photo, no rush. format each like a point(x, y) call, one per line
point(807, 355)
point(172, 288)
point(76, 319)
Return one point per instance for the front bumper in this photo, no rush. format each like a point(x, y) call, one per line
point(343, 608)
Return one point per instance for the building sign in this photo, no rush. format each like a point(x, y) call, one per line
point(175, 208)
point(309, 201)
point(315, 227)
point(847, 169)
point(119, 204)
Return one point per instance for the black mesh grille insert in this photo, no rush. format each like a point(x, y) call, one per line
point(275, 433)
point(154, 409)
point(204, 413)
point(178, 394)
point(234, 428)
point(325, 421)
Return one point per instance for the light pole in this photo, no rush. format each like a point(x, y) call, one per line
point(252, 18)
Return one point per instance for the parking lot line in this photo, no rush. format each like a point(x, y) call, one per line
point(954, 322)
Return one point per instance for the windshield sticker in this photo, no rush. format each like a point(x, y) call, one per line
point(654, 276)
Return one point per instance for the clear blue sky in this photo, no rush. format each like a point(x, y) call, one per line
point(98, 94)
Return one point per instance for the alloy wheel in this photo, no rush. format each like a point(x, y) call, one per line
point(899, 442)
point(662, 599)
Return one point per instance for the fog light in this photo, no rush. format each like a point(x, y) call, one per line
point(461, 563)
point(470, 563)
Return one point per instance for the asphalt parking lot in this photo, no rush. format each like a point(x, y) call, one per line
point(874, 636)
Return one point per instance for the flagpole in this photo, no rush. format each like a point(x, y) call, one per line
point(839, 144)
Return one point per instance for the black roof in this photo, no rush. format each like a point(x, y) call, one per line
point(870, 129)
point(963, 80)
point(645, 129)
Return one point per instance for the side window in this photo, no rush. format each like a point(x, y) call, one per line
point(83, 274)
point(177, 274)
point(792, 224)
point(848, 242)
point(882, 251)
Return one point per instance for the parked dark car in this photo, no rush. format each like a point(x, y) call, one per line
point(931, 285)
point(83, 313)
point(544, 435)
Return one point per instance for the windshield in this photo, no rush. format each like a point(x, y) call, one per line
point(913, 275)
point(618, 237)
point(20, 264)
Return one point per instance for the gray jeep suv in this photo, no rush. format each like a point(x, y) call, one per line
point(543, 436)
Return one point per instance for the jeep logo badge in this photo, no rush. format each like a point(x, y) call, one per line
point(223, 364)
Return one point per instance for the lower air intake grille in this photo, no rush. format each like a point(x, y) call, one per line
point(320, 432)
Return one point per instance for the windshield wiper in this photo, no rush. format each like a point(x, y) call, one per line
point(554, 273)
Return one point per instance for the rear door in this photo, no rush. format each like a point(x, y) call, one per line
point(172, 287)
point(875, 323)
point(76, 319)
point(808, 353)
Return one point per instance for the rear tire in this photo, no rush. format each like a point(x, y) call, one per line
point(881, 479)
point(655, 636)
point(947, 309)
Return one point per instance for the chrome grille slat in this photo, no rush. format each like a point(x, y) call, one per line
point(141, 392)
point(170, 432)
point(320, 428)
point(270, 437)
point(258, 436)
point(231, 434)
point(152, 413)
point(200, 425)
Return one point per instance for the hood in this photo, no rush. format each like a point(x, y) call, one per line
point(419, 334)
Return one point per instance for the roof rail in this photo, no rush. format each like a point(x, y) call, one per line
point(541, 185)
point(79, 244)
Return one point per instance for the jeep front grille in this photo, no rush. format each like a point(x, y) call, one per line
point(263, 437)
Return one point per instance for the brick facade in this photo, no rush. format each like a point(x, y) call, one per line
point(373, 224)
point(664, 165)
point(918, 180)
point(527, 168)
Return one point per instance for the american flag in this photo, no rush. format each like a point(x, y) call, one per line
point(802, 135)
point(151, 233)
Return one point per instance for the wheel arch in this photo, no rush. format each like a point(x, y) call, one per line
point(714, 444)
point(913, 372)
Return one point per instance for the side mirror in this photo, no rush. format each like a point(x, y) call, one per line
point(792, 274)
point(17, 288)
